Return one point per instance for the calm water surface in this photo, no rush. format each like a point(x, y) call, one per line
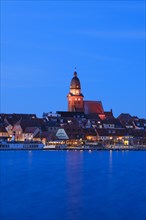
point(73, 185)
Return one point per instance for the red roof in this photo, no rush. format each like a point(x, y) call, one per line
point(93, 107)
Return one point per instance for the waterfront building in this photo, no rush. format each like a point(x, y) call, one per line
point(85, 120)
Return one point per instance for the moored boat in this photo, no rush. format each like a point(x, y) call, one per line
point(18, 145)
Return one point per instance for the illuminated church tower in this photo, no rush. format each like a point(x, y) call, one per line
point(75, 97)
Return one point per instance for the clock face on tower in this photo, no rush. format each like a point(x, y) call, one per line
point(75, 97)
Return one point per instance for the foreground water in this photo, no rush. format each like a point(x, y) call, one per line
point(73, 185)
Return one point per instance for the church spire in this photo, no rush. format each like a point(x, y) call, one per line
point(75, 97)
point(75, 72)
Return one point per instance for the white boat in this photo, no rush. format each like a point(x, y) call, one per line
point(50, 146)
point(16, 145)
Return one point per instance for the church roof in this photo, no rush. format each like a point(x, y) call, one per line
point(75, 82)
point(93, 107)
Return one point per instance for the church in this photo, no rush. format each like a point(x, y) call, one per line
point(76, 102)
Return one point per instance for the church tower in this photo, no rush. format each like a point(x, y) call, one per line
point(75, 97)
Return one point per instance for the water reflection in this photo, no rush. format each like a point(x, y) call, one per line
point(29, 157)
point(72, 185)
point(74, 167)
point(110, 161)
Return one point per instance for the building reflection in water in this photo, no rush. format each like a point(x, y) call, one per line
point(30, 157)
point(74, 167)
point(110, 161)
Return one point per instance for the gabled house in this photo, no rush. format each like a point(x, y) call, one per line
point(140, 124)
point(8, 127)
point(17, 131)
point(126, 120)
point(30, 132)
point(74, 132)
point(111, 134)
point(90, 134)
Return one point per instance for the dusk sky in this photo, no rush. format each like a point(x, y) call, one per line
point(43, 41)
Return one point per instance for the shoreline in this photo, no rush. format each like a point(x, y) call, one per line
point(77, 149)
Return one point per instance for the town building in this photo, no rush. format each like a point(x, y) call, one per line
point(85, 121)
point(76, 102)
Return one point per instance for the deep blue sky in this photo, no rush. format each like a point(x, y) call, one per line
point(42, 42)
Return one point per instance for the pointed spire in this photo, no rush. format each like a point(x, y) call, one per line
point(75, 73)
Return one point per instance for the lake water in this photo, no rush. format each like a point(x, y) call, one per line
point(73, 185)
